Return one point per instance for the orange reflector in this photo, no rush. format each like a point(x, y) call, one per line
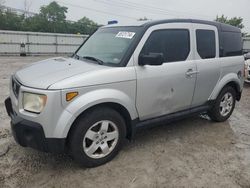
point(71, 95)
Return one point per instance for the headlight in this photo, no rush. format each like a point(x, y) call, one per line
point(34, 102)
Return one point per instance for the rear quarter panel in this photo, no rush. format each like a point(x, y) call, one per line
point(230, 67)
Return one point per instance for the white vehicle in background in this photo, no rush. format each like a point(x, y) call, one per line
point(247, 67)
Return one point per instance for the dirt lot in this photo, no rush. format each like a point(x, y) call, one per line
point(191, 153)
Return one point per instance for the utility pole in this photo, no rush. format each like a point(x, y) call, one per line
point(27, 5)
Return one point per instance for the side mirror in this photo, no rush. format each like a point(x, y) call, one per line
point(151, 59)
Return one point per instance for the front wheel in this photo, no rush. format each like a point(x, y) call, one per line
point(97, 137)
point(224, 105)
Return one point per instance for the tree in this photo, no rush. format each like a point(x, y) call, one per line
point(84, 25)
point(235, 21)
point(54, 12)
point(36, 23)
point(10, 20)
point(51, 18)
point(55, 16)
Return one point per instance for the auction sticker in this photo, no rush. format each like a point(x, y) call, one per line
point(125, 34)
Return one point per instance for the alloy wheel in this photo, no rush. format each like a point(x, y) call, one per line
point(100, 139)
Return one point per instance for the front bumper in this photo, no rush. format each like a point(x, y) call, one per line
point(31, 134)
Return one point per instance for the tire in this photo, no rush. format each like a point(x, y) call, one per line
point(216, 112)
point(86, 136)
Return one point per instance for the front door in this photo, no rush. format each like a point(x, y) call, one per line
point(169, 87)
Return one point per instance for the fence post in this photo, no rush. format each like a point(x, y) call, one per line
point(56, 43)
point(28, 43)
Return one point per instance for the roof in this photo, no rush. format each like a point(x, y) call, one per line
point(222, 27)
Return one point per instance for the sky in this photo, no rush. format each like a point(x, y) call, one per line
point(125, 11)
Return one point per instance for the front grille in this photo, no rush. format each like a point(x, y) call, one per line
point(15, 87)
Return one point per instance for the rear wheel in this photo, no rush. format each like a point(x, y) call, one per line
point(224, 105)
point(97, 137)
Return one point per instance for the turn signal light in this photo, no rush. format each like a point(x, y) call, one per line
point(71, 95)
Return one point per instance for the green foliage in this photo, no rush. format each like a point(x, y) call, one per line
point(53, 12)
point(51, 18)
point(235, 21)
point(85, 24)
point(7, 19)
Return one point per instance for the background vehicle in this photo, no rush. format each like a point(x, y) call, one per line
point(247, 67)
point(124, 78)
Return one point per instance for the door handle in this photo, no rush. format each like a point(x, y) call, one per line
point(190, 72)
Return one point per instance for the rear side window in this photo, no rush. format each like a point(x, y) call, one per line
point(232, 44)
point(206, 46)
point(174, 44)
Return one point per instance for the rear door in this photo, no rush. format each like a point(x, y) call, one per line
point(169, 87)
point(207, 61)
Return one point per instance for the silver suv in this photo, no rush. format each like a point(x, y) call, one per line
point(123, 78)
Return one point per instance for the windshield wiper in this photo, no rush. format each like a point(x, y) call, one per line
point(100, 62)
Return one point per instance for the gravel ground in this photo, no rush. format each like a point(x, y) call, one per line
point(194, 152)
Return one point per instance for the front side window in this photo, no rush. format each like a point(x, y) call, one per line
point(206, 46)
point(108, 45)
point(173, 44)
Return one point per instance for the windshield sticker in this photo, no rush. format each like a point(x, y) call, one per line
point(125, 34)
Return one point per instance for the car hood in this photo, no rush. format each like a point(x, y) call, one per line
point(45, 73)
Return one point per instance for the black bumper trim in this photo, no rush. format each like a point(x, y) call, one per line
point(31, 134)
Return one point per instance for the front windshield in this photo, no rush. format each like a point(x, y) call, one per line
point(108, 45)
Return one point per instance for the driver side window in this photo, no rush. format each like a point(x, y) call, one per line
point(173, 44)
